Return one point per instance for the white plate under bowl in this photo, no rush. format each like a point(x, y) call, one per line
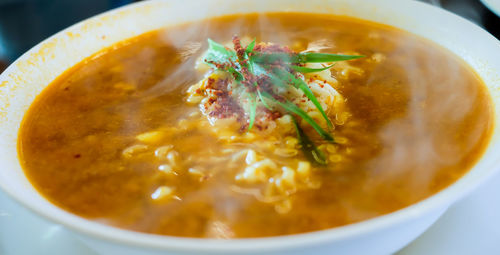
point(493, 5)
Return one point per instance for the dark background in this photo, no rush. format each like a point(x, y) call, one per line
point(24, 23)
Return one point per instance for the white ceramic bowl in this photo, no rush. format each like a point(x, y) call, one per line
point(31, 73)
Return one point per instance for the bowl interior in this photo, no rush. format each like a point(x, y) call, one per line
point(29, 75)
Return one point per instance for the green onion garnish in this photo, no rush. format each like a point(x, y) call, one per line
point(250, 65)
point(302, 69)
point(310, 150)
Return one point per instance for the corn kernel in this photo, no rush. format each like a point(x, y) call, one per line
point(341, 140)
point(195, 172)
point(291, 142)
point(288, 176)
point(335, 158)
point(285, 152)
point(283, 207)
point(124, 86)
point(129, 152)
point(304, 169)
point(167, 169)
point(331, 148)
point(162, 152)
point(172, 157)
point(251, 157)
point(150, 137)
point(162, 193)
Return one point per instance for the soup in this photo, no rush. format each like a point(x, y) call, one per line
point(318, 122)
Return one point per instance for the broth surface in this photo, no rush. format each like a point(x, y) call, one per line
point(420, 119)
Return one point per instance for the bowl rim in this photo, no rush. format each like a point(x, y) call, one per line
point(443, 198)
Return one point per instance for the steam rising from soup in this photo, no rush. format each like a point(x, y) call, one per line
point(124, 138)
